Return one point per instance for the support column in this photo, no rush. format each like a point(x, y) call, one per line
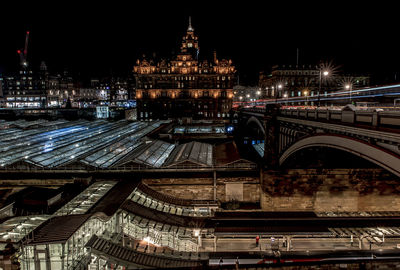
point(215, 185)
point(62, 255)
point(48, 264)
point(288, 240)
point(375, 119)
point(272, 136)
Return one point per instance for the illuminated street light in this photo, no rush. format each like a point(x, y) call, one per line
point(306, 95)
point(326, 74)
point(276, 91)
point(285, 96)
point(350, 88)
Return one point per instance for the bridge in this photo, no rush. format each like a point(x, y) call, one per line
point(278, 133)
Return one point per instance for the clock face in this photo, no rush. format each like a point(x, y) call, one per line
point(190, 45)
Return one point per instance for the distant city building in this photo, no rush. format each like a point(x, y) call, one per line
point(184, 86)
point(112, 91)
point(60, 89)
point(41, 89)
point(37, 89)
point(246, 93)
point(294, 81)
point(24, 89)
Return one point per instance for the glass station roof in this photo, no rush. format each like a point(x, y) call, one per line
point(153, 153)
point(16, 228)
point(259, 148)
point(118, 151)
point(199, 130)
point(98, 143)
point(196, 152)
point(86, 199)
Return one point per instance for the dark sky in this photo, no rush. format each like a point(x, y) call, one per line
point(99, 38)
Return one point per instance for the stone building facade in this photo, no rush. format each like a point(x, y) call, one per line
point(184, 86)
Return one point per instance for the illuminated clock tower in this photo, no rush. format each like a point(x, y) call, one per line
point(184, 86)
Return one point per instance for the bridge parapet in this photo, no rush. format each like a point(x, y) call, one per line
point(364, 117)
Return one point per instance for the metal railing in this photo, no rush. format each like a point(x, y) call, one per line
point(128, 168)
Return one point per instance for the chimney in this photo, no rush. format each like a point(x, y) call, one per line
point(215, 56)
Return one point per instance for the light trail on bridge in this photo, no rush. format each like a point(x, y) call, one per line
point(353, 95)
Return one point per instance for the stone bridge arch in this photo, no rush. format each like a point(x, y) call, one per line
point(257, 122)
point(380, 156)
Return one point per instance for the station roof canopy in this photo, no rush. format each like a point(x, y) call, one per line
point(98, 143)
point(152, 153)
point(193, 152)
point(17, 227)
point(259, 147)
point(58, 229)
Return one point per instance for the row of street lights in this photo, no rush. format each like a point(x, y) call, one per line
point(322, 74)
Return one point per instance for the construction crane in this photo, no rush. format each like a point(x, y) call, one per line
point(23, 55)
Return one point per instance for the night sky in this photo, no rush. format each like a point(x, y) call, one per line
point(102, 39)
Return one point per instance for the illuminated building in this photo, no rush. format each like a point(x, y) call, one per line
point(184, 86)
point(24, 89)
point(295, 81)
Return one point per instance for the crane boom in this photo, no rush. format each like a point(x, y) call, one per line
point(26, 44)
point(23, 55)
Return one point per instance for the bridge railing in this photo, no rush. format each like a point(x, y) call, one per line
point(373, 118)
point(127, 168)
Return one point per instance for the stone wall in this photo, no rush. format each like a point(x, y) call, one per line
point(37, 182)
point(203, 188)
point(338, 190)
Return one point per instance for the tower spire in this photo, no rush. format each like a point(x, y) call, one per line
point(190, 28)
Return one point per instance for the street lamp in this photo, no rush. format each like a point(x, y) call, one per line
point(350, 88)
point(285, 96)
point(325, 73)
point(306, 94)
point(277, 88)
